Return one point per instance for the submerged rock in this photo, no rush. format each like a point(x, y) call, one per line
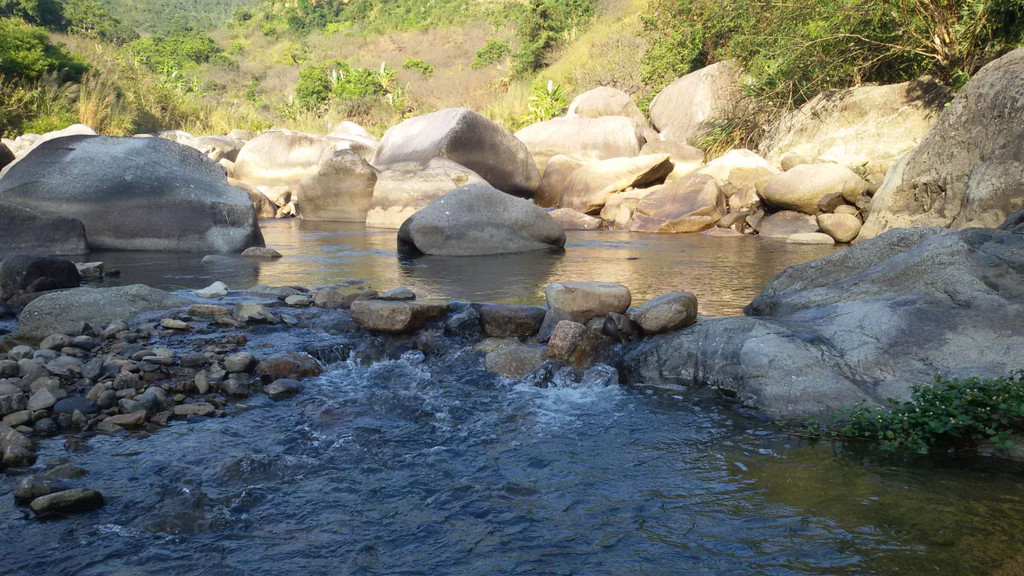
point(515, 361)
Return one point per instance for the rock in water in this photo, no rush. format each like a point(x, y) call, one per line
point(861, 325)
point(477, 220)
point(666, 313)
point(134, 194)
point(967, 171)
point(691, 204)
point(588, 188)
point(25, 232)
point(340, 191)
point(464, 137)
point(67, 502)
point(20, 274)
point(802, 187)
point(398, 194)
point(397, 317)
point(588, 299)
point(65, 312)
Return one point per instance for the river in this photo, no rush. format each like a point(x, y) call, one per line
point(429, 465)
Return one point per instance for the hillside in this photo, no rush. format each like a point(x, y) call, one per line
point(158, 16)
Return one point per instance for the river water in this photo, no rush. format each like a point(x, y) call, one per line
point(426, 464)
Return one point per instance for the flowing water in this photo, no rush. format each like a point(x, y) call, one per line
point(426, 464)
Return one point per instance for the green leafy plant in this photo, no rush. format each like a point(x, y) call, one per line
point(418, 65)
point(545, 102)
point(492, 51)
point(950, 416)
point(546, 25)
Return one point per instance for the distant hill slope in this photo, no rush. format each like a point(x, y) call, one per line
point(155, 16)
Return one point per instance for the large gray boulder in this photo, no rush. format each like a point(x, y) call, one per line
point(583, 139)
point(968, 169)
point(680, 111)
point(872, 125)
point(281, 157)
point(65, 312)
point(134, 194)
point(340, 191)
point(398, 194)
point(25, 232)
point(475, 220)
point(861, 325)
point(464, 137)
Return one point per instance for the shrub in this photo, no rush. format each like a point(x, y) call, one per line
point(27, 53)
point(950, 416)
point(419, 65)
point(493, 51)
point(314, 88)
point(545, 26)
point(545, 102)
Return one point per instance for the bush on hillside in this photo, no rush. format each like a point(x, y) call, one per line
point(493, 51)
point(546, 25)
point(418, 65)
point(26, 53)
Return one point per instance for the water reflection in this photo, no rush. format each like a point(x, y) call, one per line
point(724, 273)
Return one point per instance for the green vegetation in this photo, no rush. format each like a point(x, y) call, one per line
point(546, 25)
point(419, 65)
point(546, 102)
point(27, 53)
point(163, 16)
point(950, 416)
point(176, 56)
point(492, 52)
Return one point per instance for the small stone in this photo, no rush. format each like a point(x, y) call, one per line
point(282, 388)
point(843, 228)
point(333, 298)
point(131, 420)
point(847, 209)
point(588, 299)
point(35, 486)
point(397, 317)
point(20, 353)
point(515, 361)
point(107, 399)
point(14, 402)
point(67, 502)
point(197, 409)
point(240, 362)
point(202, 382)
point(174, 324)
point(620, 328)
point(215, 290)
point(297, 301)
point(810, 238)
point(19, 418)
point(42, 399)
point(55, 342)
point(261, 252)
point(90, 269)
point(501, 320)
point(292, 366)
point(208, 310)
point(465, 322)
point(75, 403)
point(253, 312)
point(397, 294)
point(235, 387)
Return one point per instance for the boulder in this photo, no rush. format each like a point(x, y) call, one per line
point(583, 139)
point(464, 137)
point(861, 325)
point(555, 180)
point(265, 208)
point(397, 317)
point(398, 194)
point(20, 274)
point(588, 299)
point(65, 312)
point(290, 365)
point(810, 238)
point(739, 172)
point(689, 205)
point(588, 188)
point(476, 220)
point(843, 228)
point(67, 502)
point(605, 101)
point(666, 313)
point(25, 232)
point(6, 156)
point(619, 208)
point(340, 191)
point(575, 344)
point(503, 320)
point(134, 194)
point(872, 125)
point(353, 132)
point(281, 157)
point(967, 171)
point(515, 361)
point(570, 219)
point(804, 186)
point(218, 148)
point(679, 111)
point(787, 223)
point(680, 152)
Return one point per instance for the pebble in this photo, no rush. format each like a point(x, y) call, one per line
point(297, 301)
point(215, 290)
point(174, 324)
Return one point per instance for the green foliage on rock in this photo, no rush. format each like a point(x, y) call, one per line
point(950, 416)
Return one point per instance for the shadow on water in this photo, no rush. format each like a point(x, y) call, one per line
point(724, 273)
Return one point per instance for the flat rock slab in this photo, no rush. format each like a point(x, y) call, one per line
point(396, 317)
point(65, 312)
